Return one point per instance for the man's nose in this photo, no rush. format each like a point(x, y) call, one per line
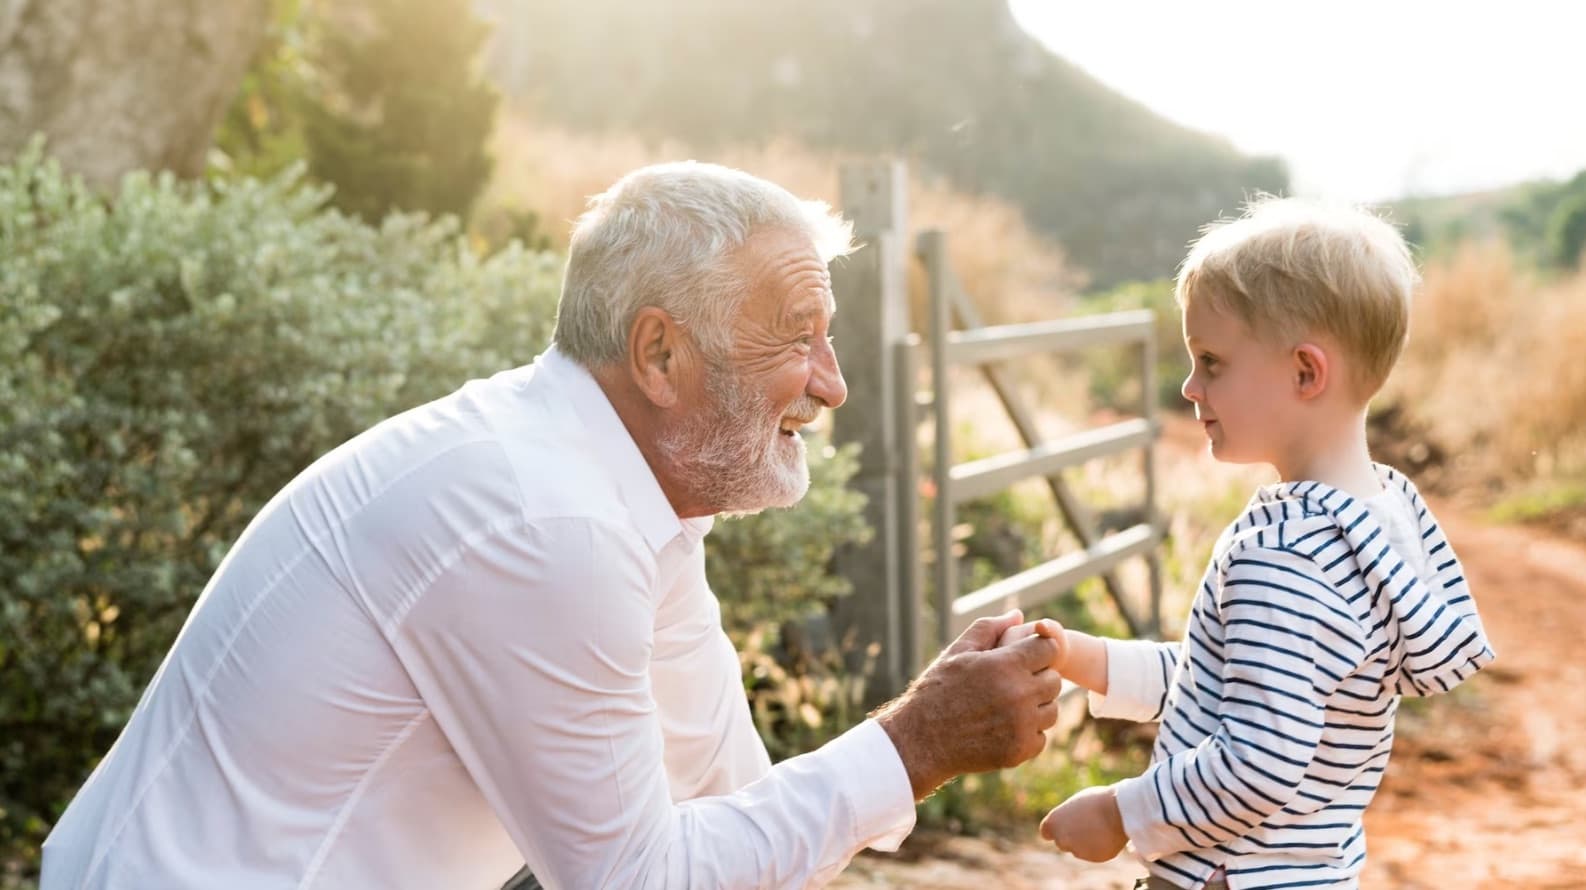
point(826, 383)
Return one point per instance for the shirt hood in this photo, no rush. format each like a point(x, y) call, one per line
point(1437, 636)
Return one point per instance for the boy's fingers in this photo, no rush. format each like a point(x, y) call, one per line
point(1016, 633)
point(983, 633)
point(1046, 627)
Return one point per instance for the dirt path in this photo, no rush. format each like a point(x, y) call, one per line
point(1489, 790)
point(1486, 789)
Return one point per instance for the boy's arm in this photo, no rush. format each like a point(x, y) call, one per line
point(1128, 679)
point(1289, 640)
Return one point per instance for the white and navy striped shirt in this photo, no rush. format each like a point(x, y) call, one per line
point(1277, 708)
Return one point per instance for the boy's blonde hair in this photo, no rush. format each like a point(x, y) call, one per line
point(1289, 269)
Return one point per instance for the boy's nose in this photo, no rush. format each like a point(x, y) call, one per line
point(1190, 389)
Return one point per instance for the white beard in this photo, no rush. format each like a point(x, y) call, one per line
point(732, 454)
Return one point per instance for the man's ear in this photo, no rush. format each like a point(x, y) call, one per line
point(653, 363)
point(1311, 371)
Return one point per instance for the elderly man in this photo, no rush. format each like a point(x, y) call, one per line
point(480, 635)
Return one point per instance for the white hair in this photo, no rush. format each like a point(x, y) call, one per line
point(664, 236)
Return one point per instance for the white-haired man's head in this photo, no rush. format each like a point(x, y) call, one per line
point(664, 236)
point(704, 293)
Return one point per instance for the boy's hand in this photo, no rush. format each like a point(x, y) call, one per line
point(1045, 627)
point(1087, 825)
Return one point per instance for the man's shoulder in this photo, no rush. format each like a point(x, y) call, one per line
point(506, 447)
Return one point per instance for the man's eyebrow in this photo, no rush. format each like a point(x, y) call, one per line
point(808, 312)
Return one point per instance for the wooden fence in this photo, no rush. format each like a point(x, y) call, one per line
point(883, 357)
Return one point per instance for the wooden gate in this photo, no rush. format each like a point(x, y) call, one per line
point(958, 339)
point(883, 360)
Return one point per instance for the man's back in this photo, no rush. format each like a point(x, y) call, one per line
point(283, 718)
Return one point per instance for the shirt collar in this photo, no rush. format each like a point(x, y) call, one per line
point(641, 491)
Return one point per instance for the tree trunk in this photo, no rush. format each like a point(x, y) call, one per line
point(129, 85)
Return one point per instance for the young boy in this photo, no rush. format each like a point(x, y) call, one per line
point(1334, 594)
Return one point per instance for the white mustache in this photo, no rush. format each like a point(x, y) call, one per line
point(806, 410)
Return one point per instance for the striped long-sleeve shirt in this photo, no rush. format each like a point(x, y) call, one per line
point(1318, 611)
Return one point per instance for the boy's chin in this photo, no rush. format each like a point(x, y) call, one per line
point(1225, 455)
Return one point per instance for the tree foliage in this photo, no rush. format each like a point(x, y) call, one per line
point(399, 118)
point(1566, 233)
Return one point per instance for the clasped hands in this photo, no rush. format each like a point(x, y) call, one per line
point(986, 702)
point(1088, 825)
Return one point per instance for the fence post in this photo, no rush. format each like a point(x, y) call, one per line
point(872, 318)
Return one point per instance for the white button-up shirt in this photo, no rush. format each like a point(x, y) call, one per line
point(475, 636)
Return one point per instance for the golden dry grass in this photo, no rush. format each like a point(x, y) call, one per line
point(1493, 370)
point(1014, 273)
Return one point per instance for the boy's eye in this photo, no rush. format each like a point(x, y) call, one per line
point(1206, 360)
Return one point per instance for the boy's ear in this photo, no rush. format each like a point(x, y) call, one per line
point(1311, 371)
point(652, 359)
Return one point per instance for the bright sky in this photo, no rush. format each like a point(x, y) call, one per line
point(1365, 99)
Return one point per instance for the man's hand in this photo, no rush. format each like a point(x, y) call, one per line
point(1087, 825)
point(1044, 627)
point(977, 707)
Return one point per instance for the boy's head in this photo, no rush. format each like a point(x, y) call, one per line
point(1291, 306)
point(1291, 270)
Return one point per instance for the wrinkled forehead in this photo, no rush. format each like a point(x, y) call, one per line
point(785, 279)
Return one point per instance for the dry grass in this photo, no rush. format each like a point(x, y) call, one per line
point(1493, 370)
point(1015, 274)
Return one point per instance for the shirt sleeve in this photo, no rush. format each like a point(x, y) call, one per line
point(1289, 640)
point(1139, 674)
point(533, 651)
point(711, 744)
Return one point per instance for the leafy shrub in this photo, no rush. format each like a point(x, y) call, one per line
point(770, 571)
point(1566, 232)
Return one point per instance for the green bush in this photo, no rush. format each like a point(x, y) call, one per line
point(771, 574)
point(1566, 231)
point(396, 115)
point(771, 567)
point(172, 357)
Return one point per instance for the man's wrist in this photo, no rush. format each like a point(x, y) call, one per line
point(895, 719)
